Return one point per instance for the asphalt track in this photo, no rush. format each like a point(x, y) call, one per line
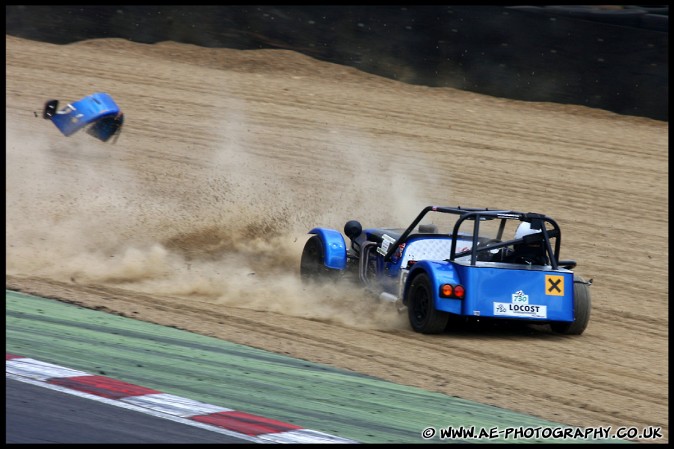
point(312, 396)
point(62, 418)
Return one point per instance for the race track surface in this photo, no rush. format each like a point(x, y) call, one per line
point(196, 216)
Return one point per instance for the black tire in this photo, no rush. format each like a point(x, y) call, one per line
point(581, 309)
point(312, 263)
point(423, 316)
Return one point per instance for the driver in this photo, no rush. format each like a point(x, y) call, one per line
point(531, 253)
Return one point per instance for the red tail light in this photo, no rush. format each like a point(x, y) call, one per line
point(446, 290)
point(452, 291)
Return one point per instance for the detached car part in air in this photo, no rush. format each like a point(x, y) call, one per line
point(97, 113)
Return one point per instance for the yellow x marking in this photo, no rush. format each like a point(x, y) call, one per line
point(554, 285)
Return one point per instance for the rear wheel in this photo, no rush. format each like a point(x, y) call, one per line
point(581, 309)
point(312, 263)
point(423, 316)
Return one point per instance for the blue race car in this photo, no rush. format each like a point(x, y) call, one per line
point(459, 263)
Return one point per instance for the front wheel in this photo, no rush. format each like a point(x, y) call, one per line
point(581, 309)
point(312, 263)
point(423, 316)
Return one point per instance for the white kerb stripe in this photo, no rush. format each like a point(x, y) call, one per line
point(304, 436)
point(174, 405)
point(34, 369)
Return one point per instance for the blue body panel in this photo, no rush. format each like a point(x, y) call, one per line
point(83, 112)
point(334, 247)
point(515, 292)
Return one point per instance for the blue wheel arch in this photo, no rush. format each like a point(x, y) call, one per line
point(438, 273)
point(334, 247)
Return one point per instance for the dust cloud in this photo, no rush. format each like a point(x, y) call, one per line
point(231, 234)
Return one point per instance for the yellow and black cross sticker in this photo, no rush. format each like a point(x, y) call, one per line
point(554, 285)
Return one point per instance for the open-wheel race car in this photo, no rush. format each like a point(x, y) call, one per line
point(457, 263)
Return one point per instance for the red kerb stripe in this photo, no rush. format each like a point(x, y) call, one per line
point(245, 423)
point(102, 386)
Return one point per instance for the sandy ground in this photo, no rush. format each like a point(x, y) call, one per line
point(197, 215)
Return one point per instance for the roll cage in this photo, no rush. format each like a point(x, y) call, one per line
point(480, 215)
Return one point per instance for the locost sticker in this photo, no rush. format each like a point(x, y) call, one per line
point(520, 310)
point(520, 307)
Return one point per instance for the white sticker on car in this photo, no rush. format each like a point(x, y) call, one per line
point(385, 243)
point(387, 238)
point(520, 310)
point(520, 307)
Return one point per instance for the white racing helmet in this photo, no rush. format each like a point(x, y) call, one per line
point(525, 229)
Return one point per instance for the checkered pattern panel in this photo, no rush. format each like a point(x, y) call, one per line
point(432, 249)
